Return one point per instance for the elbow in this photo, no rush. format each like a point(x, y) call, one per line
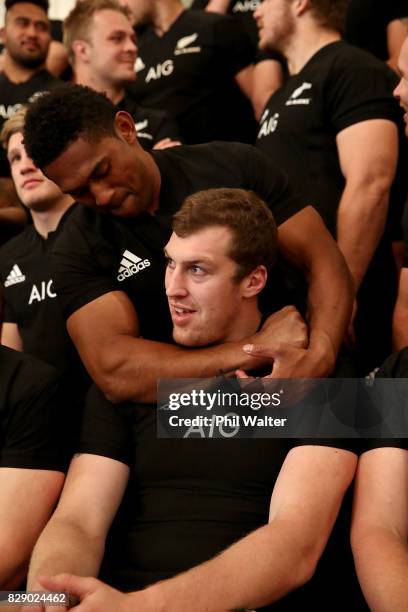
point(115, 380)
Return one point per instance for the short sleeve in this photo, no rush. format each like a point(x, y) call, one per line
point(359, 94)
point(35, 428)
point(79, 276)
point(105, 429)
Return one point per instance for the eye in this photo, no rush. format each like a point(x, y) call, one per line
point(102, 170)
point(14, 158)
point(197, 270)
point(170, 263)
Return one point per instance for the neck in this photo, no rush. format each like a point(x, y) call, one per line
point(17, 73)
point(305, 43)
point(84, 76)
point(46, 221)
point(246, 323)
point(165, 14)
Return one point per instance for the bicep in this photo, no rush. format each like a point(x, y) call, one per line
point(245, 80)
point(93, 490)
point(27, 499)
point(310, 488)
point(95, 327)
point(268, 77)
point(381, 490)
point(368, 151)
point(295, 239)
point(10, 336)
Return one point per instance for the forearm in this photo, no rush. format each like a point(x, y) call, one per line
point(400, 327)
point(257, 570)
point(330, 302)
point(65, 547)
point(137, 364)
point(381, 558)
point(360, 224)
point(218, 6)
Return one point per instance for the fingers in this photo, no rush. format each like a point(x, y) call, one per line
point(261, 351)
point(74, 585)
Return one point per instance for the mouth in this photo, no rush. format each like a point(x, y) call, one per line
point(181, 315)
point(31, 183)
point(30, 45)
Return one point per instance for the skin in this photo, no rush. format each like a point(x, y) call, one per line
point(206, 302)
point(107, 175)
point(106, 60)
point(26, 37)
point(400, 318)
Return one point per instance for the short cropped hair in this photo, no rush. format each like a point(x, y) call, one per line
point(330, 13)
point(58, 118)
point(254, 233)
point(41, 3)
point(78, 23)
point(13, 125)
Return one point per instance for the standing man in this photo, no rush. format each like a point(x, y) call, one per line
point(197, 66)
point(110, 281)
point(101, 46)
point(400, 320)
point(334, 127)
point(26, 37)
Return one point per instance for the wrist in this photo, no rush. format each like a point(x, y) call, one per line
point(324, 353)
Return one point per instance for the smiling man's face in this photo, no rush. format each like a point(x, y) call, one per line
point(27, 34)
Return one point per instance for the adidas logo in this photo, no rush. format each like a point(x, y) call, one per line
point(131, 264)
point(15, 276)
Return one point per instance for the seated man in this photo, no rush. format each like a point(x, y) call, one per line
point(101, 46)
point(110, 267)
point(32, 320)
point(245, 520)
point(32, 458)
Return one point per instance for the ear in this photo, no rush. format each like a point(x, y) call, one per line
point(125, 127)
point(81, 50)
point(254, 282)
point(301, 7)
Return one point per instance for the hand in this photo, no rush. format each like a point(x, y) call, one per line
point(291, 362)
point(166, 143)
point(38, 587)
point(283, 327)
point(93, 595)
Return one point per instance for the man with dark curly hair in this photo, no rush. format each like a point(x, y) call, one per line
point(109, 267)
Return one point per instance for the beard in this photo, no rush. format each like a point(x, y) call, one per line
point(29, 61)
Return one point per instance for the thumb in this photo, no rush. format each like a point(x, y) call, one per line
point(74, 585)
point(241, 374)
point(258, 350)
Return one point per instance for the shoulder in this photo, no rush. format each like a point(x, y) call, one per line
point(19, 246)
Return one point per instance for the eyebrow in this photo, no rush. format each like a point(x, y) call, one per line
point(195, 260)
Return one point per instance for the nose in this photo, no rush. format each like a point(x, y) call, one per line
point(102, 194)
point(26, 164)
point(395, 93)
point(174, 281)
point(31, 30)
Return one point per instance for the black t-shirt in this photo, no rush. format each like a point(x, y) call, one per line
point(97, 253)
point(242, 9)
point(338, 87)
point(189, 72)
point(187, 500)
point(33, 433)
point(367, 21)
point(152, 125)
point(30, 303)
point(13, 95)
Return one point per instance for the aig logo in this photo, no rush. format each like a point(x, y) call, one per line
point(164, 69)
point(40, 293)
point(268, 124)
